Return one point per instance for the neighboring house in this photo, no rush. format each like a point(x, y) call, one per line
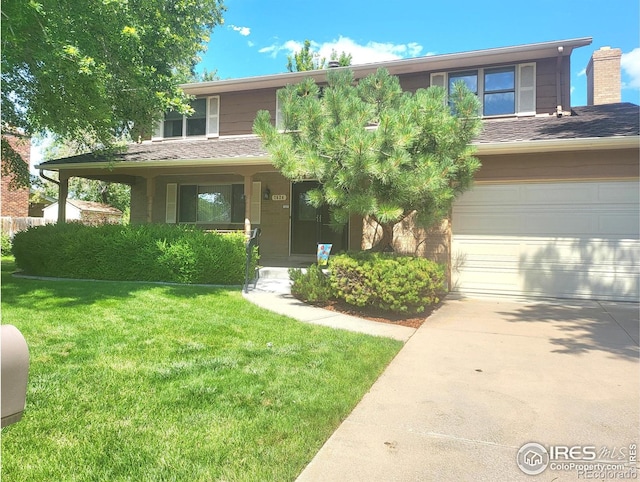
point(15, 202)
point(37, 202)
point(87, 212)
point(554, 211)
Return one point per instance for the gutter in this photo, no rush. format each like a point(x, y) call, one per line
point(47, 178)
point(555, 145)
point(235, 161)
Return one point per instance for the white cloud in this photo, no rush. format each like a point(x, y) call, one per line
point(582, 72)
point(361, 53)
point(289, 47)
point(630, 64)
point(244, 31)
point(269, 50)
point(371, 51)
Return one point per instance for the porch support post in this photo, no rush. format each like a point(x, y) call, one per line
point(151, 189)
point(63, 193)
point(248, 195)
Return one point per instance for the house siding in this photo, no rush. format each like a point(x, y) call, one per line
point(546, 89)
point(238, 110)
point(413, 82)
point(566, 166)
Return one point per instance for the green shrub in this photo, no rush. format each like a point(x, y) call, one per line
point(389, 282)
point(5, 244)
point(311, 285)
point(150, 252)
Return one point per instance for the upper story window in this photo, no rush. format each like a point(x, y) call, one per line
point(204, 122)
point(502, 90)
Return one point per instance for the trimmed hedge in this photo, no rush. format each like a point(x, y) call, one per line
point(386, 281)
point(148, 252)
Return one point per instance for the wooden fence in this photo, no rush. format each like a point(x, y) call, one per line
point(12, 225)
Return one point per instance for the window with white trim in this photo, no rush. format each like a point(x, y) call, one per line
point(211, 204)
point(205, 121)
point(508, 90)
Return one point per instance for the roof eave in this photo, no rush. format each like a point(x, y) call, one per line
point(558, 145)
point(517, 53)
point(236, 161)
point(490, 148)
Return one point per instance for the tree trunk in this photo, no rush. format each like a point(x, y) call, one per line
point(386, 241)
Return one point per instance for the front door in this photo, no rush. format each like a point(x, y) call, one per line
point(310, 226)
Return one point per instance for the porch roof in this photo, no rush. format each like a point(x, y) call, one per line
point(605, 126)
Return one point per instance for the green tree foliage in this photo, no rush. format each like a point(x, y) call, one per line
point(377, 151)
point(307, 59)
point(204, 76)
point(103, 68)
point(344, 59)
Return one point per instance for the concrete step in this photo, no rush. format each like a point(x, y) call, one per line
point(273, 272)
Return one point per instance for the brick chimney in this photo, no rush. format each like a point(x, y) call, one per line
point(603, 77)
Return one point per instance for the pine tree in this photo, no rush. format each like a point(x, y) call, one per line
point(377, 151)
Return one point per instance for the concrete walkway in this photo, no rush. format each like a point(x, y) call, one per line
point(273, 293)
point(480, 379)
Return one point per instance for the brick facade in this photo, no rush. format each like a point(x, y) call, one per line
point(15, 203)
point(603, 77)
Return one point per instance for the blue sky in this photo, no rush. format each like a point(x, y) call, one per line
point(258, 35)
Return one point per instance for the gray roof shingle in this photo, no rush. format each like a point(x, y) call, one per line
point(612, 120)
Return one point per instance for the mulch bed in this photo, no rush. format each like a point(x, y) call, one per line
point(374, 314)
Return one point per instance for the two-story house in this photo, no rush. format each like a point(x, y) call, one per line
point(554, 211)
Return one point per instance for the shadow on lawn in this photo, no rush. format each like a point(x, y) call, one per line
point(24, 291)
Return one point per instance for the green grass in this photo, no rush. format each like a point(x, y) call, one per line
point(144, 382)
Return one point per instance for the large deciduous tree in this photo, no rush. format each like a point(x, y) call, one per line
point(377, 151)
point(99, 68)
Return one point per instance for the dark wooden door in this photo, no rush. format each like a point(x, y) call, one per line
point(310, 226)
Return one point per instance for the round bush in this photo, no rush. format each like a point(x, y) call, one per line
point(386, 281)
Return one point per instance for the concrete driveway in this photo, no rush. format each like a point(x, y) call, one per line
point(482, 378)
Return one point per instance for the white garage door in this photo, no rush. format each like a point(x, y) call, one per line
point(564, 240)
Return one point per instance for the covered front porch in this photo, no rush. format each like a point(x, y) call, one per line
point(239, 194)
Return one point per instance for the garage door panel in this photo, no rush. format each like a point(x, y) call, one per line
point(623, 193)
point(556, 193)
point(561, 251)
point(619, 224)
point(594, 220)
point(574, 247)
point(500, 195)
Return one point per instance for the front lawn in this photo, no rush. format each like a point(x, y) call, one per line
point(132, 381)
